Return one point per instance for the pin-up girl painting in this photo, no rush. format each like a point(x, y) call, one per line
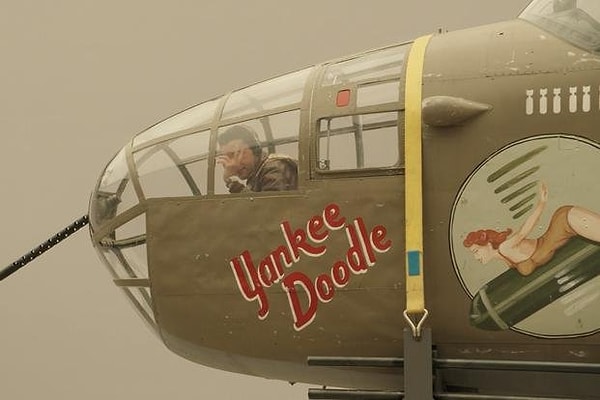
point(525, 237)
point(525, 254)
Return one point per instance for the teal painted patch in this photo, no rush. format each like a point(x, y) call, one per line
point(414, 263)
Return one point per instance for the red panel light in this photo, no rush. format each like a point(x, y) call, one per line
point(343, 98)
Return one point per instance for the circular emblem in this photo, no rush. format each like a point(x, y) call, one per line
point(525, 238)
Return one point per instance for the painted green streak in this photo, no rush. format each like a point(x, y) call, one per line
point(523, 211)
point(516, 179)
point(506, 168)
point(522, 202)
point(519, 192)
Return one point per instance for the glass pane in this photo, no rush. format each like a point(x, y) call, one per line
point(191, 147)
point(577, 21)
point(165, 169)
point(114, 194)
point(359, 141)
point(278, 92)
point(258, 155)
point(141, 296)
point(137, 259)
point(284, 130)
point(195, 117)
point(125, 249)
point(115, 171)
point(158, 173)
point(192, 150)
point(114, 261)
point(337, 152)
point(111, 261)
point(378, 93)
point(373, 65)
point(130, 240)
point(381, 147)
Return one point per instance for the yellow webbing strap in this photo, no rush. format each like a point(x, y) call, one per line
point(415, 294)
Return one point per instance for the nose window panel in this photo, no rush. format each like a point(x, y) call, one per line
point(191, 119)
point(124, 253)
point(114, 194)
point(178, 167)
point(130, 241)
point(125, 250)
point(267, 96)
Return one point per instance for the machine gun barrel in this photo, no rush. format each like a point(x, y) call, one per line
point(42, 248)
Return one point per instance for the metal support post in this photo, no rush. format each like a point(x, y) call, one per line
point(418, 366)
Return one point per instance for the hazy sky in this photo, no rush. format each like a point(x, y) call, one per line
point(78, 78)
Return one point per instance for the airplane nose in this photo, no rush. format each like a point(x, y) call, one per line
point(169, 159)
point(119, 234)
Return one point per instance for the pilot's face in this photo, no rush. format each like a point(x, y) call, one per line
point(237, 158)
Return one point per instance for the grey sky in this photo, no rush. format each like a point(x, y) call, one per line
point(77, 79)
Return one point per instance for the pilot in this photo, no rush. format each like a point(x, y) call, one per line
point(242, 159)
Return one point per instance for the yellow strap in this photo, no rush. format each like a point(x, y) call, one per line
point(415, 295)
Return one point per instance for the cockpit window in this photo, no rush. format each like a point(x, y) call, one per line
point(267, 96)
point(357, 112)
point(178, 167)
point(377, 65)
point(193, 118)
point(258, 155)
point(576, 21)
point(358, 142)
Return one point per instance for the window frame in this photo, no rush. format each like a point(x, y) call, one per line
point(360, 171)
point(322, 107)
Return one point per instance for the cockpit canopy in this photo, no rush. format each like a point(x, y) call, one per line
point(335, 120)
point(351, 106)
point(577, 21)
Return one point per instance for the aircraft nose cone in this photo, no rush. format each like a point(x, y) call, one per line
point(119, 233)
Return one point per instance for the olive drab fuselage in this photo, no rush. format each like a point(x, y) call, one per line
point(257, 282)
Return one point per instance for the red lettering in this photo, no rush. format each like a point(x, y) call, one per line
point(364, 239)
point(340, 274)
point(304, 294)
point(266, 272)
point(279, 254)
point(331, 215)
point(251, 290)
point(297, 242)
point(355, 255)
point(313, 227)
point(303, 316)
point(378, 241)
point(325, 288)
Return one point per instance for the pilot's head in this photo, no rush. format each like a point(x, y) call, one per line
point(241, 146)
